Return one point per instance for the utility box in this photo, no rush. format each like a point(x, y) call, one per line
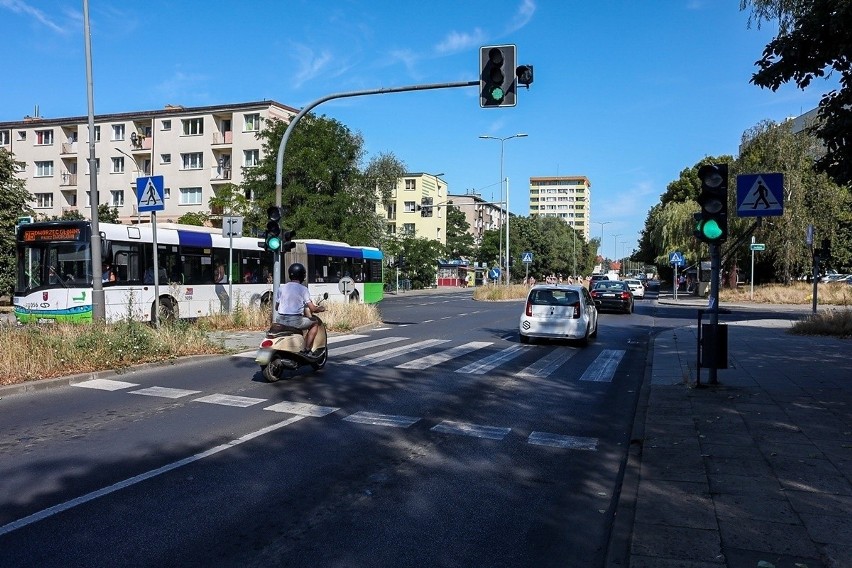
point(714, 345)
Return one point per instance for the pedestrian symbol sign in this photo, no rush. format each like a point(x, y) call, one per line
point(676, 258)
point(149, 193)
point(526, 257)
point(760, 195)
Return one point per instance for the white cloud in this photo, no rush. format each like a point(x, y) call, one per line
point(21, 7)
point(459, 41)
point(522, 16)
point(309, 64)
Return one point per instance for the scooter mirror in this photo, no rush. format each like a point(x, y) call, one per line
point(325, 296)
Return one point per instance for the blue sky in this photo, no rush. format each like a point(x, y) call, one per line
point(626, 92)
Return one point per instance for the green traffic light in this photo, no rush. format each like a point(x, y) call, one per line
point(273, 243)
point(710, 229)
point(497, 94)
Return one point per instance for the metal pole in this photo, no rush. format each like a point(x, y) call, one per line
point(507, 232)
point(816, 280)
point(279, 164)
point(98, 301)
point(715, 269)
point(751, 278)
point(156, 271)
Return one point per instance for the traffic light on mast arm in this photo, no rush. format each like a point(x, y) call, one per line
point(288, 240)
point(712, 221)
point(273, 229)
point(497, 76)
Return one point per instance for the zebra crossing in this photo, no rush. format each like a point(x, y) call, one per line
point(364, 350)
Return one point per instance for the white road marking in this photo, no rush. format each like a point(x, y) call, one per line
point(395, 421)
point(49, 512)
point(165, 392)
point(488, 363)
point(105, 384)
point(603, 368)
point(475, 430)
point(562, 441)
point(302, 409)
point(230, 400)
point(396, 351)
point(547, 364)
point(438, 358)
point(367, 345)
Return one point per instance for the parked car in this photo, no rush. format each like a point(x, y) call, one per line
point(557, 311)
point(612, 295)
point(636, 287)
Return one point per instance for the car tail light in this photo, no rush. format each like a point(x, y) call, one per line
point(625, 295)
point(266, 343)
point(529, 308)
point(595, 294)
point(576, 310)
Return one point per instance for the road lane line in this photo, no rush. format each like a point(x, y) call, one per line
point(488, 363)
point(438, 358)
point(547, 364)
point(56, 509)
point(365, 360)
point(365, 345)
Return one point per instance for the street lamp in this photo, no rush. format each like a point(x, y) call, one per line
point(138, 171)
point(615, 246)
point(502, 142)
point(602, 223)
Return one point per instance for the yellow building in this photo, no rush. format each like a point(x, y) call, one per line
point(418, 207)
point(565, 197)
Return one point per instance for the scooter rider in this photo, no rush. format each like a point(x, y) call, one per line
point(290, 302)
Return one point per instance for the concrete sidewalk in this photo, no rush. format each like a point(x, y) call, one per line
point(755, 469)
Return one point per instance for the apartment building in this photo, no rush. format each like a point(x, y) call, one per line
point(480, 215)
point(418, 206)
point(566, 197)
point(197, 151)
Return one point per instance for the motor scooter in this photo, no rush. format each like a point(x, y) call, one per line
point(281, 352)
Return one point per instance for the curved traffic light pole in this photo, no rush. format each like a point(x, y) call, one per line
point(279, 166)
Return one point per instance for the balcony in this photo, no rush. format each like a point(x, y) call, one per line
point(69, 148)
point(220, 174)
point(68, 179)
point(223, 137)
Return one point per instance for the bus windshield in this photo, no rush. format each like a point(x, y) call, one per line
point(53, 264)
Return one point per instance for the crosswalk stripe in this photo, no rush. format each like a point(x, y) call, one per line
point(438, 358)
point(391, 353)
point(302, 409)
point(165, 392)
point(562, 441)
point(603, 368)
point(475, 430)
point(105, 384)
point(375, 419)
point(365, 345)
point(547, 364)
point(229, 400)
point(488, 363)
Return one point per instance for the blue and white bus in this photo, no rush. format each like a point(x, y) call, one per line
point(54, 271)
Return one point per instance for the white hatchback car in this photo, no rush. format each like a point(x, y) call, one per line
point(636, 287)
point(554, 311)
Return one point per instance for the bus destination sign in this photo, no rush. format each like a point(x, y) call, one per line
point(44, 234)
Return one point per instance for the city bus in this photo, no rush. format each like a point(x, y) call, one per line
point(200, 272)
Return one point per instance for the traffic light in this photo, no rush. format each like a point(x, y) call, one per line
point(426, 207)
point(273, 229)
point(497, 76)
point(712, 222)
point(524, 73)
point(288, 240)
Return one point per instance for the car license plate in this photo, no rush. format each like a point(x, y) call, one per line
point(609, 295)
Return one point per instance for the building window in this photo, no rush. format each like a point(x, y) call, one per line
point(190, 196)
point(44, 200)
point(165, 158)
point(252, 122)
point(117, 132)
point(410, 206)
point(20, 167)
point(193, 127)
point(251, 158)
point(44, 169)
point(5, 138)
point(408, 228)
point(167, 193)
point(44, 137)
point(97, 133)
point(166, 125)
point(410, 184)
point(118, 165)
point(192, 161)
point(22, 135)
point(116, 198)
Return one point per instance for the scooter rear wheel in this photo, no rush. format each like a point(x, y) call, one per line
point(320, 363)
point(276, 369)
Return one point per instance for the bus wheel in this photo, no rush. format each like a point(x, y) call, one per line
point(168, 310)
point(266, 301)
point(354, 297)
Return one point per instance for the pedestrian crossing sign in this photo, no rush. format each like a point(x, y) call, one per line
point(526, 257)
point(760, 195)
point(149, 193)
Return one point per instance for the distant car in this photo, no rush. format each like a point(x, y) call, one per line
point(598, 278)
point(841, 279)
point(557, 311)
point(636, 287)
point(612, 295)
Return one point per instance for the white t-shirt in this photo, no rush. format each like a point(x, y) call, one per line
point(292, 298)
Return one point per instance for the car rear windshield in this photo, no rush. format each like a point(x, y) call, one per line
point(554, 297)
point(612, 285)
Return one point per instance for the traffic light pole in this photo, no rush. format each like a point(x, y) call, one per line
point(715, 275)
point(279, 166)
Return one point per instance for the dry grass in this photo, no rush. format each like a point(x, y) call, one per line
point(500, 293)
point(33, 352)
point(795, 293)
point(829, 322)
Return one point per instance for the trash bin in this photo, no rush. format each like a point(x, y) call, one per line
point(714, 345)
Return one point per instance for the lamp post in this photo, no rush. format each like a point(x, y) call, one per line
point(615, 246)
point(623, 256)
point(502, 142)
point(602, 223)
point(138, 171)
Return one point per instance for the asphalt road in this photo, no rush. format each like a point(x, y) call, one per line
point(435, 440)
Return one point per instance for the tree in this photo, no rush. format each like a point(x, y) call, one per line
point(13, 204)
point(814, 35)
point(459, 241)
point(197, 218)
point(421, 260)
